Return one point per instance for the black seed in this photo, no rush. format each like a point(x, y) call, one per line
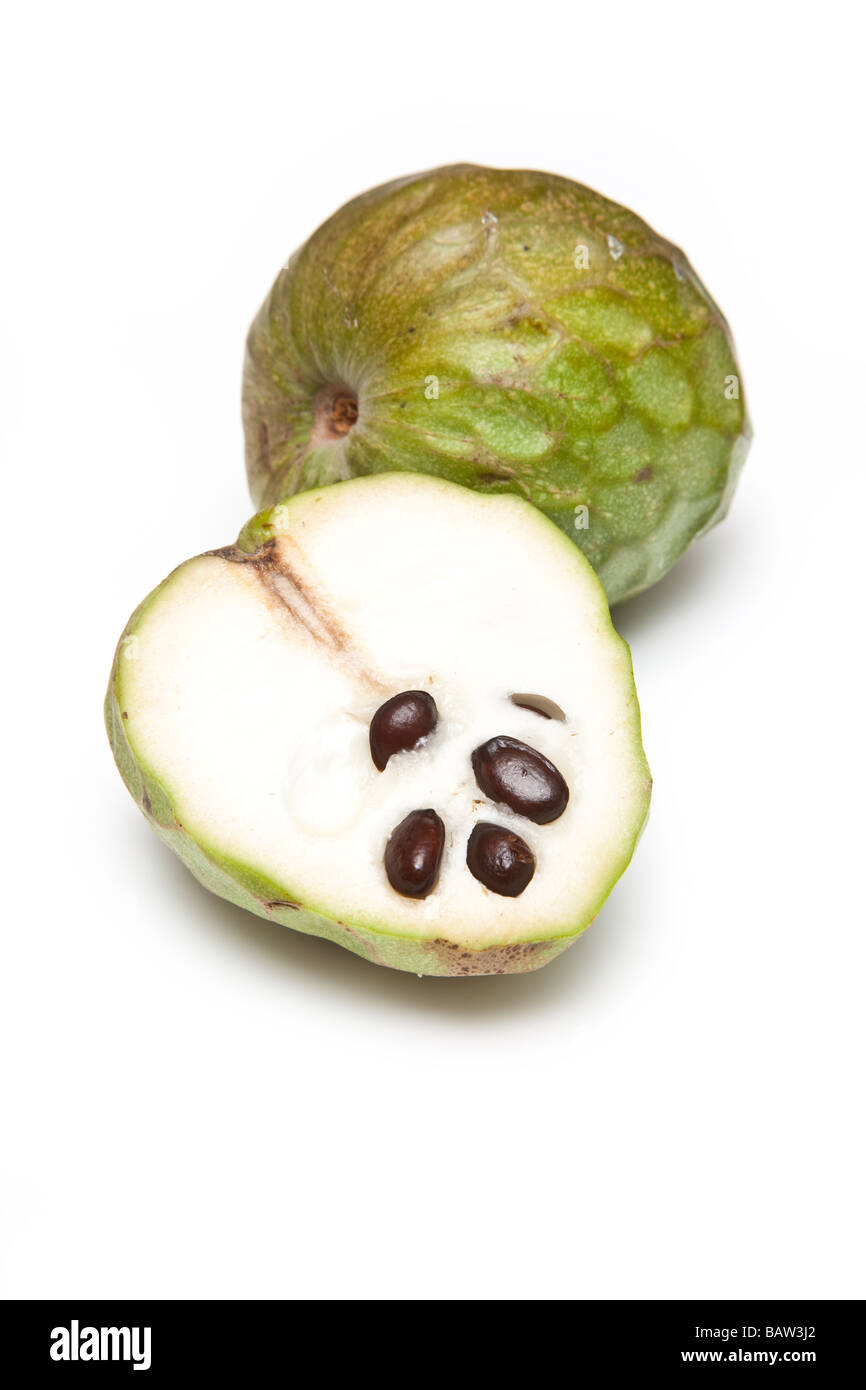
point(509, 771)
point(499, 859)
point(414, 852)
point(400, 724)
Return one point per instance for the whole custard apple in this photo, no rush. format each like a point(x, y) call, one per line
point(514, 332)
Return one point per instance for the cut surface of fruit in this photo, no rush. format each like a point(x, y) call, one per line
point(245, 687)
point(513, 331)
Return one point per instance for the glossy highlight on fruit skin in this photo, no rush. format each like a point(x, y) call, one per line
point(515, 332)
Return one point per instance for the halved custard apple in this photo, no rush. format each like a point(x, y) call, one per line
point(395, 714)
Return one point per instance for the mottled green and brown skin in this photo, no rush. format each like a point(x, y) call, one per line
point(512, 331)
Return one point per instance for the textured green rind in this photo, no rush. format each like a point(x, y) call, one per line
point(238, 883)
point(605, 387)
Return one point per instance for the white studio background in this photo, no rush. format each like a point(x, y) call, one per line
point(197, 1103)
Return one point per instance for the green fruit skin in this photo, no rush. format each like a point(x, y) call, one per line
point(232, 879)
point(578, 361)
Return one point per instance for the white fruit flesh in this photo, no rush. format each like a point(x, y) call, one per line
point(249, 689)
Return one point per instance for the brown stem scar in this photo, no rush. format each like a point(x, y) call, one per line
point(335, 411)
